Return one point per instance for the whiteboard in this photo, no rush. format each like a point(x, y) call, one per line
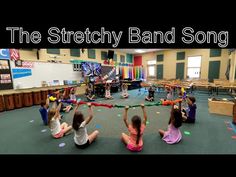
point(48, 72)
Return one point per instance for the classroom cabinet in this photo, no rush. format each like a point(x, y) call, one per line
point(2, 106)
point(9, 102)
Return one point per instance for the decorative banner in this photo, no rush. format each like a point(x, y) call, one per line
point(138, 72)
point(4, 54)
point(109, 74)
point(14, 54)
point(134, 71)
point(18, 73)
point(27, 64)
point(143, 76)
point(75, 61)
point(24, 64)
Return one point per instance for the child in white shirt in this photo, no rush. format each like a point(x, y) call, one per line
point(58, 130)
point(81, 137)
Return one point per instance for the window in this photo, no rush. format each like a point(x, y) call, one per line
point(75, 52)
point(160, 57)
point(194, 67)
point(103, 55)
point(122, 59)
point(215, 52)
point(129, 58)
point(91, 53)
point(180, 55)
point(53, 51)
point(151, 70)
point(115, 57)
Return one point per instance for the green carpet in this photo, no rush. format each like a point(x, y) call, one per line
point(209, 135)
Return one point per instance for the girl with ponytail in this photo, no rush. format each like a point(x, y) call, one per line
point(134, 141)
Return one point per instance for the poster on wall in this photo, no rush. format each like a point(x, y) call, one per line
point(5, 75)
point(18, 63)
point(27, 64)
point(24, 64)
point(19, 73)
point(4, 54)
point(4, 65)
point(91, 69)
point(14, 54)
point(110, 71)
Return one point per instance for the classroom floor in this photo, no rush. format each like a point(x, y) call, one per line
point(22, 131)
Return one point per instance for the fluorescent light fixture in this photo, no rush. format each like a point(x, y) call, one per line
point(139, 51)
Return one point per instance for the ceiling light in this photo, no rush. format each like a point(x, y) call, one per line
point(139, 51)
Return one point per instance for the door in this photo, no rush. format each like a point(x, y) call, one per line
point(159, 71)
point(214, 70)
point(180, 71)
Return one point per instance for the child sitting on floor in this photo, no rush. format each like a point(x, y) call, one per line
point(81, 137)
point(108, 91)
point(173, 134)
point(189, 114)
point(150, 96)
point(134, 141)
point(67, 108)
point(44, 111)
point(58, 130)
point(170, 93)
point(64, 108)
point(124, 88)
point(89, 95)
point(72, 94)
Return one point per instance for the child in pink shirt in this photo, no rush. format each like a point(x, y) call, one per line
point(134, 141)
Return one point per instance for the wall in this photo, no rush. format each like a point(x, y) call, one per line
point(232, 66)
point(43, 71)
point(64, 55)
point(170, 61)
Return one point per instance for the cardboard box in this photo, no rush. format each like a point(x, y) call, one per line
point(221, 107)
